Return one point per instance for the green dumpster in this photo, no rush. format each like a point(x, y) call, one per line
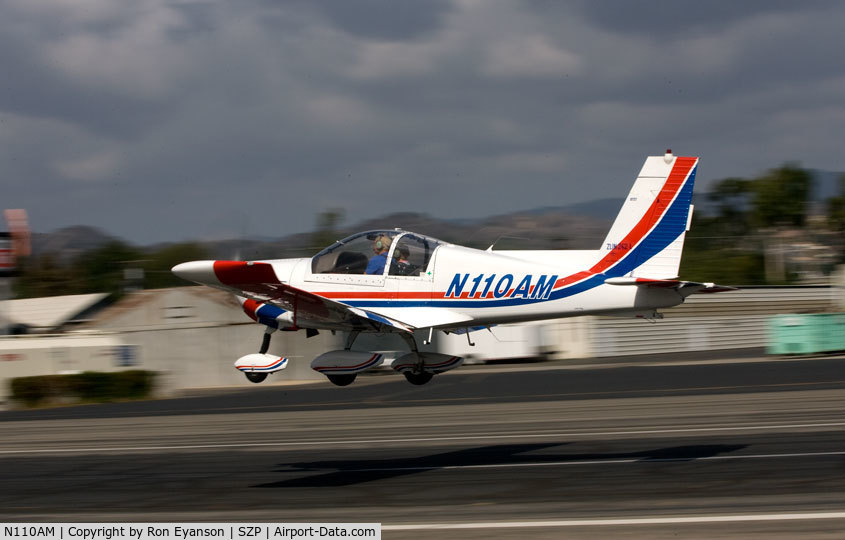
point(806, 333)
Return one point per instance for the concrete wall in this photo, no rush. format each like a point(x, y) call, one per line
point(705, 322)
point(193, 335)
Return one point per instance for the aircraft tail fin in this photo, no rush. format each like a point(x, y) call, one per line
point(647, 237)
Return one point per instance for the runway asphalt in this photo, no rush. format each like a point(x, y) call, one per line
point(721, 450)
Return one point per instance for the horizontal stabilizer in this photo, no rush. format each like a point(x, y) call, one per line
point(686, 288)
point(709, 287)
point(649, 282)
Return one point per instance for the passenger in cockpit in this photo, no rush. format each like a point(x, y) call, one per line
point(401, 266)
point(381, 246)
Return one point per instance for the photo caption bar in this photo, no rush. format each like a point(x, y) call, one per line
point(188, 531)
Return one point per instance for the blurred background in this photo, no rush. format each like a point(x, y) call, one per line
point(136, 137)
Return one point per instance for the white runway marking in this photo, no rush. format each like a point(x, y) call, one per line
point(667, 520)
point(375, 441)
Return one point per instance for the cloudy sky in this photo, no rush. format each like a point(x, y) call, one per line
point(165, 120)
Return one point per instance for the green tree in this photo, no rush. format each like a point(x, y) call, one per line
point(101, 269)
point(328, 223)
point(781, 197)
point(728, 247)
point(45, 276)
point(157, 264)
point(732, 197)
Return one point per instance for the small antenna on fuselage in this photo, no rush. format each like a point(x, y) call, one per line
point(505, 236)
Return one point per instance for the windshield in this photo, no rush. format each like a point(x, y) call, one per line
point(371, 252)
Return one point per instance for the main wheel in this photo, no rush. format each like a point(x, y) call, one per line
point(342, 380)
point(418, 378)
point(254, 376)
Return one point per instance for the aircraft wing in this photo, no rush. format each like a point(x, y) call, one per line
point(259, 282)
point(686, 288)
point(427, 317)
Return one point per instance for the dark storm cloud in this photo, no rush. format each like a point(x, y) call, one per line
point(203, 118)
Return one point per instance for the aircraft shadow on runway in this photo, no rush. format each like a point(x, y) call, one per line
point(338, 473)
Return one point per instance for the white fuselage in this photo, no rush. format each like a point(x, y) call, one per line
point(464, 287)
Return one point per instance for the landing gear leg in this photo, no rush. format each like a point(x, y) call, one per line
point(409, 339)
point(258, 376)
point(418, 375)
point(353, 335)
point(265, 342)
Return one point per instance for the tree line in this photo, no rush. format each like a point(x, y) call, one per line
point(116, 267)
point(765, 230)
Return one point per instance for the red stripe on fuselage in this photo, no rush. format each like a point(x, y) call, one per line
point(374, 295)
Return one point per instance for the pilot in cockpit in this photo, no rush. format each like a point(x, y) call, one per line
point(381, 245)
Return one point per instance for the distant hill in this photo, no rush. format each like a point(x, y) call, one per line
point(69, 242)
point(545, 228)
point(827, 184)
point(603, 209)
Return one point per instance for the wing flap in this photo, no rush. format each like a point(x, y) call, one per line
point(363, 313)
point(422, 317)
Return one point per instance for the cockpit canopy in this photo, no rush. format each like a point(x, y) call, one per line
point(402, 254)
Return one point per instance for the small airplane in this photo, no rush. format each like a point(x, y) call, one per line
point(396, 281)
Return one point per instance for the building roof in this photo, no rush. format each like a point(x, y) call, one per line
point(48, 313)
point(124, 313)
